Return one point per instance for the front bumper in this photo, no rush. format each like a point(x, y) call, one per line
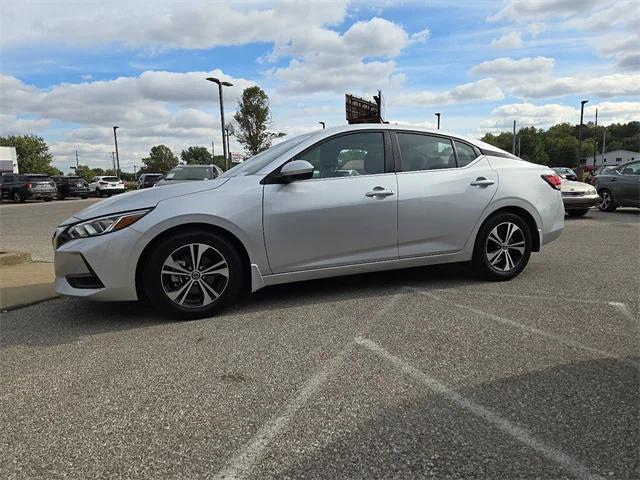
point(580, 202)
point(112, 259)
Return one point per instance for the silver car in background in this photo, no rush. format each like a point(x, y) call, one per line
point(339, 201)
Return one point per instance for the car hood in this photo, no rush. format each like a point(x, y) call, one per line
point(164, 181)
point(147, 198)
point(572, 186)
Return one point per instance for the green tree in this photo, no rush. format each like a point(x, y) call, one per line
point(254, 119)
point(160, 160)
point(196, 156)
point(33, 153)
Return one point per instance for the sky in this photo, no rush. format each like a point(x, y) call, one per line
point(70, 70)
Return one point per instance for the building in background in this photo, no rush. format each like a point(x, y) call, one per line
point(615, 157)
point(8, 160)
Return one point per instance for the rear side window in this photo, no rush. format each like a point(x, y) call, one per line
point(466, 154)
point(425, 152)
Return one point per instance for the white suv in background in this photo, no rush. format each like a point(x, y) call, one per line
point(106, 186)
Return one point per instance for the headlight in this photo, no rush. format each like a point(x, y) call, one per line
point(592, 191)
point(104, 225)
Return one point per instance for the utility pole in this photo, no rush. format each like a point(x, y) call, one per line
point(77, 164)
point(604, 140)
point(438, 115)
point(228, 147)
point(224, 143)
point(595, 139)
point(513, 140)
point(134, 172)
point(212, 151)
point(115, 139)
point(580, 132)
point(519, 138)
point(322, 123)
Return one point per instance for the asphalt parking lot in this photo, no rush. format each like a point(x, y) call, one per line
point(422, 373)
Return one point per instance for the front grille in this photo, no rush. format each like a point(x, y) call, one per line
point(573, 194)
point(84, 280)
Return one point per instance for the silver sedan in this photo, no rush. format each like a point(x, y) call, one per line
point(333, 202)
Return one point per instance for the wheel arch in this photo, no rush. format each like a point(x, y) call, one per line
point(521, 212)
point(195, 226)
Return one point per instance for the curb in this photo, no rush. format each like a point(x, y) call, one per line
point(14, 258)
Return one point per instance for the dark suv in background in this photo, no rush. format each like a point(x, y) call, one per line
point(148, 180)
point(19, 187)
point(71, 186)
point(619, 187)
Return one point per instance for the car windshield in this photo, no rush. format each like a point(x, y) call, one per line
point(253, 165)
point(189, 173)
point(149, 176)
point(110, 179)
point(38, 178)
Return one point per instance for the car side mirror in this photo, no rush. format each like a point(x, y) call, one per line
point(297, 170)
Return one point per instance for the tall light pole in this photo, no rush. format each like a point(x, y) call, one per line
point(224, 143)
point(77, 164)
point(513, 142)
point(115, 139)
point(113, 161)
point(323, 125)
point(595, 139)
point(228, 144)
point(438, 115)
point(580, 132)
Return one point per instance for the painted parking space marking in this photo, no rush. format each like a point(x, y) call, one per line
point(518, 433)
point(244, 461)
point(512, 323)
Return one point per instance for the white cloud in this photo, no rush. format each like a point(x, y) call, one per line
point(361, 59)
point(509, 40)
point(536, 28)
point(544, 116)
point(482, 90)
point(524, 10)
point(506, 67)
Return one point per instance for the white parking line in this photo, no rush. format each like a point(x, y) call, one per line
point(520, 434)
point(506, 321)
point(243, 462)
point(544, 296)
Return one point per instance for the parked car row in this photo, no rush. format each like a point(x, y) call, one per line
point(610, 187)
point(23, 187)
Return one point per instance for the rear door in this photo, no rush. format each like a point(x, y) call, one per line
point(346, 214)
point(444, 185)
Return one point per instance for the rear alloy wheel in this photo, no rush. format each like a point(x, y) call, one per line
point(503, 247)
point(98, 194)
point(606, 204)
point(18, 198)
point(193, 275)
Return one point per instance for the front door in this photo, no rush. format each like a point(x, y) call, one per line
point(346, 214)
point(442, 193)
point(628, 184)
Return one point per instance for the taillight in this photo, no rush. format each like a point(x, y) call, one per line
point(553, 180)
point(28, 185)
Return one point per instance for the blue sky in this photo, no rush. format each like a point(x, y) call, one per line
point(69, 70)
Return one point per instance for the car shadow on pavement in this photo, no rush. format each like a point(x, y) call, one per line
point(64, 320)
point(588, 410)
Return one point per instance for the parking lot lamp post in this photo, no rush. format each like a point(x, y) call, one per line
point(77, 164)
point(513, 139)
point(113, 160)
point(438, 115)
point(580, 132)
point(224, 142)
point(323, 125)
point(595, 139)
point(115, 139)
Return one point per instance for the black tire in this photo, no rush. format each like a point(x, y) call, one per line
point(154, 281)
point(18, 197)
point(47, 199)
point(83, 197)
point(61, 196)
point(484, 247)
point(607, 202)
point(98, 194)
point(577, 213)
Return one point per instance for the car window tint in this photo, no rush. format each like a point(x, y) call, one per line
point(347, 155)
point(466, 154)
point(631, 169)
point(425, 152)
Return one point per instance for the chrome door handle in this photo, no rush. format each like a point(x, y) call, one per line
point(481, 182)
point(379, 192)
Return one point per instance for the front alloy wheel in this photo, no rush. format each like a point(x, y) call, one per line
point(192, 274)
point(195, 275)
point(505, 247)
point(606, 203)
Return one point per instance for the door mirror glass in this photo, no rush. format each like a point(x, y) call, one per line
point(297, 170)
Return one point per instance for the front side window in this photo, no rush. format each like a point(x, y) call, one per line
point(425, 152)
point(631, 169)
point(466, 154)
point(347, 155)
